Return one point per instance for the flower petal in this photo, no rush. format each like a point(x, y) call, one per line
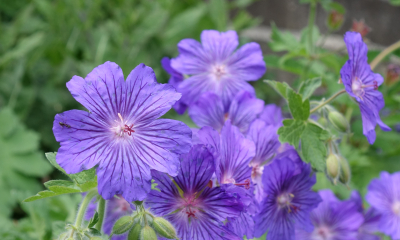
point(272, 115)
point(208, 111)
point(193, 87)
point(244, 109)
point(247, 63)
point(243, 225)
point(192, 58)
point(219, 45)
point(160, 142)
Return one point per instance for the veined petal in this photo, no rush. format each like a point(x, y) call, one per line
point(160, 142)
point(242, 226)
point(244, 109)
point(229, 87)
point(121, 171)
point(84, 138)
point(219, 45)
point(272, 115)
point(247, 63)
point(102, 91)
point(208, 111)
point(193, 87)
point(192, 58)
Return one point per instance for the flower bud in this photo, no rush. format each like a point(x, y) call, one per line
point(122, 225)
point(335, 20)
point(148, 233)
point(134, 233)
point(345, 171)
point(333, 167)
point(338, 121)
point(164, 228)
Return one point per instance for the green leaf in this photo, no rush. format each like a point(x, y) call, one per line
point(283, 41)
point(94, 232)
point(300, 110)
point(291, 131)
point(219, 13)
point(94, 220)
point(395, 2)
point(47, 194)
point(313, 148)
point(279, 87)
point(61, 185)
point(51, 157)
point(308, 87)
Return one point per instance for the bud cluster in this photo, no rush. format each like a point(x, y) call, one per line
point(142, 225)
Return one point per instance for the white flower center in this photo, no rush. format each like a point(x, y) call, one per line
point(396, 208)
point(121, 128)
point(357, 87)
point(218, 71)
point(322, 233)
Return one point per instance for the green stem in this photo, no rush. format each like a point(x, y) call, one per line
point(328, 100)
point(311, 21)
point(82, 208)
point(101, 208)
point(384, 53)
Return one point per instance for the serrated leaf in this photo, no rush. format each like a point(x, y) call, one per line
point(313, 148)
point(93, 220)
point(300, 110)
point(291, 131)
point(308, 87)
point(47, 194)
point(279, 87)
point(57, 185)
point(94, 232)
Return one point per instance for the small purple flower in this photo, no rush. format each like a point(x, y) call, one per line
point(384, 196)
point(272, 115)
point(333, 220)
point(196, 210)
point(362, 84)
point(213, 66)
point(121, 134)
point(175, 79)
point(116, 208)
point(209, 110)
point(289, 200)
point(371, 219)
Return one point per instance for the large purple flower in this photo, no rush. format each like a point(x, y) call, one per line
point(121, 134)
point(209, 110)
point(289, 200)
point(175, 79)
point(333, 220)
point(384, 196)
point(197, 211)
point(362, 84)
point(116, 208)
point(272, 115)
point(213, 66)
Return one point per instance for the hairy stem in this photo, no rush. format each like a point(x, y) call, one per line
point(328, 100)
point(101, 210)
point(84, 205)
point(384, 53)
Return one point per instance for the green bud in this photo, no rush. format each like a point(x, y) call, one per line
point(122, 225)
point(333, 167)
point(96, 238)
point(164, 228)
point(338, 121)
point(148, 233)
point(134, 233)
point(345, 171)
point(63, 236)
point(322, 121)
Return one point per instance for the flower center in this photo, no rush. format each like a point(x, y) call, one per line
point(189, 206)
point(285, 201)
point(245, 183)
point(218, 71)
point(256, 173)
point(396, 208)
point(323, 233)
point(358, 87)
point(122, 127)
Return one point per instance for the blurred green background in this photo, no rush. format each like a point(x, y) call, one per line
point(43, 43)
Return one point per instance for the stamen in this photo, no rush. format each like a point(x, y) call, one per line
point(120, 117)
point(190, 213)
point(246, 184)
point(210, 184)
point(373, 85)
point(128, 129)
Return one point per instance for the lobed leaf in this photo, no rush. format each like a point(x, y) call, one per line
point(308, 87)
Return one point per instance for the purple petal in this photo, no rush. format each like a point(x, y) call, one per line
point(208, 111)
point(244, 109)
point(193, 87)
point(192, 58)
point(247, 63)
point(229, 87)
point(219, 45)
point(272, 115)
point(242, 226)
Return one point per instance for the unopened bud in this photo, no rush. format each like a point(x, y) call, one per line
point(148, 233)
point(322, 121)
point(345, 171)
point(338, 121)
point(361, 27)
point(333, 167)
point(335, 20)
point(134, 233)
point(122, 225)
point(164, 228)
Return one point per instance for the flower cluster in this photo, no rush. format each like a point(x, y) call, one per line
point(231, 177)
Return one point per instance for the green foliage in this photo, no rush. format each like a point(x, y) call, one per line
point(308, 87)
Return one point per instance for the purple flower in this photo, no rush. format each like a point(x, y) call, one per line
point(213, 66)
point(289, 200)
point(209, 110)
point(115, 209)
point(196, 210)
point(371, 219)
point(121, 134)
point(362, 84)
point(384, 196)
point(175, 79)
point(272, 115)
point(333, 220)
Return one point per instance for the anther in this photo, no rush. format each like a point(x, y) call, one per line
point(246, 184)
point(128, 129)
